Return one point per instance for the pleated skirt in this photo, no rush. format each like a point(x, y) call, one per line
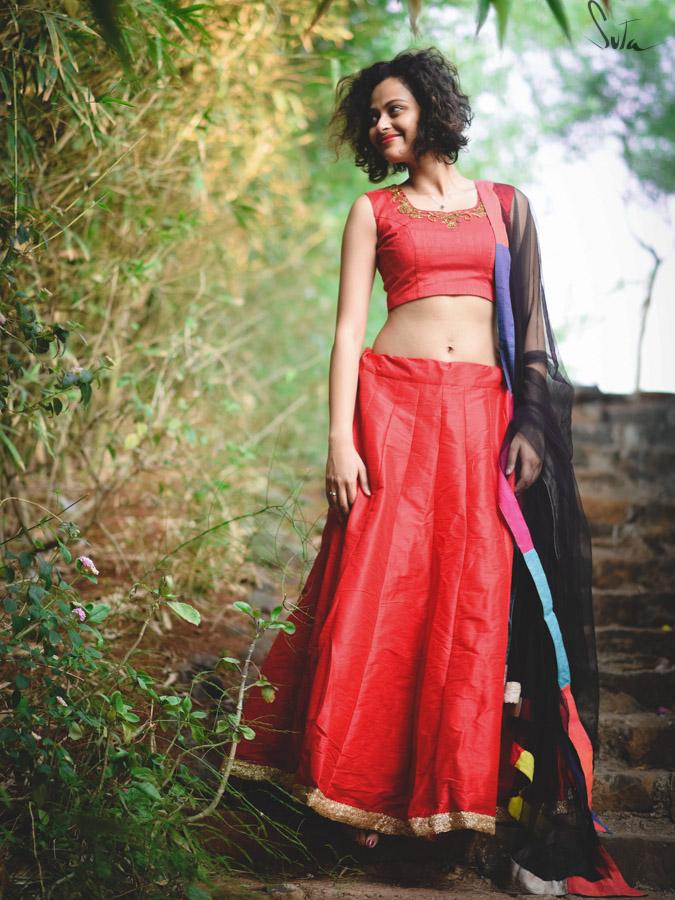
point(390, 692)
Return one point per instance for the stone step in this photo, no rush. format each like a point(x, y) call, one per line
point(630, 431)
point(643, 847)
point(651, 642)
point(642, 407)
point(593, 434)
point(638, 738)
point(626, 517)
point(633, 675)
point(638, 477)
point(650, 680)
point(648, 534)
point(624, 545)
point(612, 510)
point(634, 608)
point(646, 410)
point(617, 788)
point(617, 702)
point(593, 405)
point(648, 460)
point(648, 516)
point(612, 570)
point(609, 481)
point(652, 467)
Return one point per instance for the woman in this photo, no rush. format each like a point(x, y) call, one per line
point(442, 673)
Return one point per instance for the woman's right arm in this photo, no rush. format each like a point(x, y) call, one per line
point(357, 272)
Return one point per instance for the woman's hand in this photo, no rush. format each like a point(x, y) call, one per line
point(344, 470)
point(529, 464)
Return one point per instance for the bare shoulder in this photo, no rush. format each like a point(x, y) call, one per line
point(363, 205)
point(362, 215)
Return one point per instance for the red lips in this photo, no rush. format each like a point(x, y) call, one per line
point(389, 138)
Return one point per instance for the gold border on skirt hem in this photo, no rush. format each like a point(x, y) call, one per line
point(420, 826)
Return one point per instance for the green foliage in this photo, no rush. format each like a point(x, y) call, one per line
point(98, 761)
point(502, 10)
point(81, 778)
point(64, 92)
point(105, 203)
point(129, 199)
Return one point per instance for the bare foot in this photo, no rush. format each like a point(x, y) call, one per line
point(363, 836)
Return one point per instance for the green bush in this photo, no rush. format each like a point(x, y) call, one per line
point(102, 785)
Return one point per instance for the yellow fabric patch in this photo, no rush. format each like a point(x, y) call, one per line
point(515, 806)
point(525, 763)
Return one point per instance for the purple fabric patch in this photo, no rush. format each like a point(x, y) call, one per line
point(507, 344)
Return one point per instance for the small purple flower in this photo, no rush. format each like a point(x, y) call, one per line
point(88, 565)
point(78, 611)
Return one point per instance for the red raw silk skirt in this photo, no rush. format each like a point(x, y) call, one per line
point(390, 691)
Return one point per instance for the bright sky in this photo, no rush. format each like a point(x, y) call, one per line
point(586, 234)
point(595, 271)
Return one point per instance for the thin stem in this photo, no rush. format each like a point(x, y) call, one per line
point(35, 850)
point(52, 515)
point(134, 646)
point(202, 534)
point(226, 765)
point(105, 759)
point(16, 131)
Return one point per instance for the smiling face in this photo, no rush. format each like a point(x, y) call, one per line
point(392, 120)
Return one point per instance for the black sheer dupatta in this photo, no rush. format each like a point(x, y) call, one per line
point(558, 837)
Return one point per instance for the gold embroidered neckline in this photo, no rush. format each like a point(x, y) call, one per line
point(451, 218)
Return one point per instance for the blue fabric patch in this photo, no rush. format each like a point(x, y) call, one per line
point(533, 563)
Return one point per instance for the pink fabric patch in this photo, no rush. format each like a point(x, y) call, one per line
point(508, 504)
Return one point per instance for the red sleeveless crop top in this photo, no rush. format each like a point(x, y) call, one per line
point(421, 253)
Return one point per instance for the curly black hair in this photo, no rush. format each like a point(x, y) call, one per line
point(444, 110)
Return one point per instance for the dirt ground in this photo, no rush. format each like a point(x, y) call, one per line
point(455, 887)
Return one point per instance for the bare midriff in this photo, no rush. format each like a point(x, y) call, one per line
point(450, 328)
